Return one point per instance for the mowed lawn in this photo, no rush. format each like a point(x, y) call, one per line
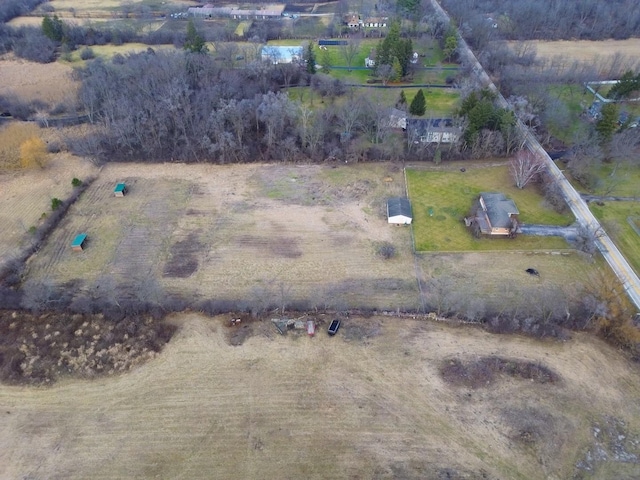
point(441, 199)
point(616, 218)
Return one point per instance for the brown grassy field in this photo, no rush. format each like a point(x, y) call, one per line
point(587, 50)
point(26, 195)
point(234, 232)
point(370, 403)
point(278, 233)
point(50, 83)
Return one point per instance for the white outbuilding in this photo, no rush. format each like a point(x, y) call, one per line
point(399, 211)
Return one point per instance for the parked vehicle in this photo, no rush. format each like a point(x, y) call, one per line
point(333, 328)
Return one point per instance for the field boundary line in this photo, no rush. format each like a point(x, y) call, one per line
point(413, 245)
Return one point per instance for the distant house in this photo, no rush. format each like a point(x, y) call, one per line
point(120, 190)
point(79, 242)
point(375, 22)
point(595, 109)
point(399, 211)
point(432, 130)
point(370, 62)
point(495, 214)
point(281, 54)
point(353, 21)
point(397, 119)
point(258, 12)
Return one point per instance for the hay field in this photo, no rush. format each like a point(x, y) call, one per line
point(26, 195)
point(49, 83)
point(588, 50)
point(236, 232)
point(369, 403)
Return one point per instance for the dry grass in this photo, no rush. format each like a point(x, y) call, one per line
point(50, 83)
point(305, 232)
point(273, 234)
point(499, 278)
point(588, 50)
point(293, 407)
point(26, 195)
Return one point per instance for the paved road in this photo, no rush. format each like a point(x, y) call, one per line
point(569, 233)
point(608, 198)
point(578, 206)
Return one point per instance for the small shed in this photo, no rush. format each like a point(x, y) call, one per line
point(120, 190)
point(79, 242)
point(311, 328)
point(399, 211)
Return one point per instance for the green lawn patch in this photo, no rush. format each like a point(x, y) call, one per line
point(624, 183)
point(441, 199)
point(575, 100)
point(619, 219)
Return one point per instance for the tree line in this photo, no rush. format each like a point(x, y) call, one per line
point(547, 19)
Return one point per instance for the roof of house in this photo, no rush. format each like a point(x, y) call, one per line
point(422, 126)
point(79, 240)
point(399, 206)
point(499, 209)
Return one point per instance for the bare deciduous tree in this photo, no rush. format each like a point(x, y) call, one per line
point(525, 167)
point(350, 51)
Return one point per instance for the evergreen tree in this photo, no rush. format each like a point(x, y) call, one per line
point(418, 104)
point(53, 28)
point(395, 46)
point(194, 42)
point(402, 101)
point(397, 69)
point(608, 122)
point(310, 58)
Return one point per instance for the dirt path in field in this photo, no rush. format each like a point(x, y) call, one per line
point(368, 403)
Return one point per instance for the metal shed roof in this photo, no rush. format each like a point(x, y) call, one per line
point(120, 187)
point(398, 206)
point(79, 240)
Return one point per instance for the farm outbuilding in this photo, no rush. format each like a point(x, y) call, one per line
point(79, 242)
point(399, 211)
point(120, 190)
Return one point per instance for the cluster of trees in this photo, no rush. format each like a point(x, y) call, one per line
point(10, 9)
point(186, 107)
point(628, 85)
point(393, 55)
point(489, 129)
point(547, 19)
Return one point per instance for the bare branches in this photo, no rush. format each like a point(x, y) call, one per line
point(525, 167)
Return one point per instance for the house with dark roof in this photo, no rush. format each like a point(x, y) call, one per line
point(432, 130)
point(495, 214)
point(399, 211)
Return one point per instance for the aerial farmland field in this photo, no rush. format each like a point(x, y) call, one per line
point(293, 233)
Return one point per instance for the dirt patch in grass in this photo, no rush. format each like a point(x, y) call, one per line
point(239, 332)
point(360, 330)
point(484, 371)
point(182, 257)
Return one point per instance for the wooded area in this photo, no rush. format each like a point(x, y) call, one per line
point(546, 19)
